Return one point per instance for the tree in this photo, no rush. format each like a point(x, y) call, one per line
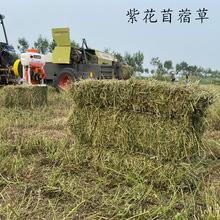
point(192, 69)
point(136, 61)
point(23, 45)
point(146, 70)
point(184, 66)
point(42, 45)
point(207, 71)
point(52, 45)
point(178, 67)
point(215, 74)
point(160, 69)
point(200, 71)
point(156, 63)
point(152, 71)
point(168, 65)
point(139, 59)
point(107, 49)
point(129, 59)
point(118, 56)
point(74, 44)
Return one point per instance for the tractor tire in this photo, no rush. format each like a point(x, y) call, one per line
point(65, 78)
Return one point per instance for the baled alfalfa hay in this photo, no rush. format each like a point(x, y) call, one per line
point(26, 96)
point(159, 124)
point(127, 71)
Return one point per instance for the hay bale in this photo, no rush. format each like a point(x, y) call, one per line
point(183, 107)
point(127, 71)
point(148, 118)
point(140, 104)
point(26, 96)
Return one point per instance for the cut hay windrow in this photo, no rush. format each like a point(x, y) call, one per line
point(29, 96)
point(148, 118)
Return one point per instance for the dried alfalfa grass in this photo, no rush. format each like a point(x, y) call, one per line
point(127, 71)
point(145, 120)
point(25, 96)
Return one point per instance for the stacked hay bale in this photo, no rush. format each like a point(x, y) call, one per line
point(27, 96)
point(127, 71)
point(146, 119)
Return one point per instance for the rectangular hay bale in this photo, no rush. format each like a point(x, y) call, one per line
point(127, 71)
point(147, 128)
point(149, 116)
point(26, 96)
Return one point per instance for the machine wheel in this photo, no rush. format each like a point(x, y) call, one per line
point(65, 78)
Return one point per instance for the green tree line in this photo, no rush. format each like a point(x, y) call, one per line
point(42, 45)
point(167, 67)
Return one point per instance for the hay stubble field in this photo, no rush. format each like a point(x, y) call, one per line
point(46, 172)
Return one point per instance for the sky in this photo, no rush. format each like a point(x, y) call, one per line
point(105, 24)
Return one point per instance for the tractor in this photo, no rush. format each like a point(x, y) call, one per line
point(6, 58)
